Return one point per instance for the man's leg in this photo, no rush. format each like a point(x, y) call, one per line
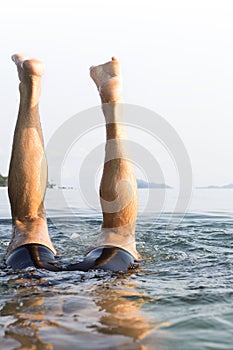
point(28, 167)
point(115, 248)
point(118, 189)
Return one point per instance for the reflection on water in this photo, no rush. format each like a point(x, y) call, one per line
point(25, 315)
point(48, 318)
point(122, 311)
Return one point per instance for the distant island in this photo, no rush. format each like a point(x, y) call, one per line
point(3, 181)
point(145, 184)
point(211, 187)
point(142, 184)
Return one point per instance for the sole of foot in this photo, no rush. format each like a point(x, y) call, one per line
point(107, 78)
point(28, 67)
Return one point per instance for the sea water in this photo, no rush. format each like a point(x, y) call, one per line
point(180, 298)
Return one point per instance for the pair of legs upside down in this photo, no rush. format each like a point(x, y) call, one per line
point(30, 244)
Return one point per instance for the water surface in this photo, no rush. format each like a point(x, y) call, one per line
point(180, 298)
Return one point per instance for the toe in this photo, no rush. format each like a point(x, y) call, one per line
point(18, 59)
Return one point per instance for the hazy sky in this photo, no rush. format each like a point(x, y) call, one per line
point(177, 59)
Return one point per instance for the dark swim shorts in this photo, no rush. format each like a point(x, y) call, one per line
point(32, 255)
point(39, 256)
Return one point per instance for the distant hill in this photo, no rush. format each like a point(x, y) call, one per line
point(140, 183)
point(145, 184)
point(210, 187)
point(3, 181)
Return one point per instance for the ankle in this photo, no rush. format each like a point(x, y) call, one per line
point(113, 112)
point(30, 92)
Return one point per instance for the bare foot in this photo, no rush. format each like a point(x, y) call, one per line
point(107, 78)
point(30, 72)
point(28, 68)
